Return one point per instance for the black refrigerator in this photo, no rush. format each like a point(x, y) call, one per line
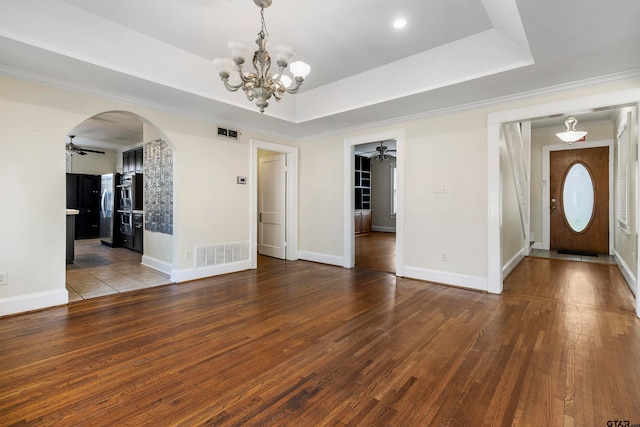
point(109, 203)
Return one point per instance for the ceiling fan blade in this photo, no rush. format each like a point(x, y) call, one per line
point(369, 154)
point(91, 151)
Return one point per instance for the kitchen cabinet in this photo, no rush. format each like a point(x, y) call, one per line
point(83, 194)
point(138, 233)
point(132, 161)
point(362, 221)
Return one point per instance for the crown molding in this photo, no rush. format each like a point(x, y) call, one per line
point(86, 90)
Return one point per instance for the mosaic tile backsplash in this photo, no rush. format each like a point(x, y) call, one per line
point(158, 187)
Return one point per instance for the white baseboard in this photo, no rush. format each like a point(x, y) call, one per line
point(628, 275)
point(156, 264)
point(383, 229)
point(447, 278)
point(538, 245)
point(513, 262)
point(34, 301)
point(213, 270)
point(321, 258)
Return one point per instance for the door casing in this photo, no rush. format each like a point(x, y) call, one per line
point(291, 251)
point(272, 206)
point(546, 196)
point(348, 230)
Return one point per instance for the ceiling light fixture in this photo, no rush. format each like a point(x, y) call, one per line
point(571, 134)
point(399, 23)
point(260, 85)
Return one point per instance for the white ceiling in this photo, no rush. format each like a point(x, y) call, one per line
point(453, 53)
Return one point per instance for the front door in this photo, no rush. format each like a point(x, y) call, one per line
point(271, 206)
point(579, 189)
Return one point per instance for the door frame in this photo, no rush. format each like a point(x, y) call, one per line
point(349, 198)
point(495, 139)
point(262, 183)
point(291, 194)
point(546, 215)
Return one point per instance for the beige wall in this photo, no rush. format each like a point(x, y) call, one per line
point(210, 207)
point(447, 152)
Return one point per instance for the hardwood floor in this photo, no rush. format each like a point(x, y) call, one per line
point(305, 344)
point(376, 251)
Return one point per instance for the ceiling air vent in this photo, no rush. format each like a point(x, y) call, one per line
point(228, 133)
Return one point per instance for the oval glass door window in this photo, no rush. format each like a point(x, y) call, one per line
point(578, 197)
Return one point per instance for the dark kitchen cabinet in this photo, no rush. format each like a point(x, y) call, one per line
point(138, 154)
point(132, 161)
point(83, 193)
point(138, 235)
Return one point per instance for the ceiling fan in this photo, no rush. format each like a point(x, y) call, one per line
point(382, 153)
point(81, 151)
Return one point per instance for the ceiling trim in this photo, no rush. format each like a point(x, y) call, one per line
point(82, 89)
point(501, 48)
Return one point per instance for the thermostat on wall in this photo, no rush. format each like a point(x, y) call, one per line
point(242, 180)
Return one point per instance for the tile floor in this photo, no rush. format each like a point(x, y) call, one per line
point(602, 258)
point(99, 270)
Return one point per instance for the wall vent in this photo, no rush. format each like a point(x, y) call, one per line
point(221, 253)
point(228, 133)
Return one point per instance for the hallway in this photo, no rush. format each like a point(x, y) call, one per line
point(376, 251)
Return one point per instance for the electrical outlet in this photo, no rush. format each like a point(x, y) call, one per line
point(4, 278)
point(187, 255)
point(443, 256)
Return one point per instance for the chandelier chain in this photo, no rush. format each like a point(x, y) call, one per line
point(263, 32)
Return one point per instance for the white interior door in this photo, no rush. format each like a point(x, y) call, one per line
point(271, 206)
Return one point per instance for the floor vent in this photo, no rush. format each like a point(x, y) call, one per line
point(221, 253)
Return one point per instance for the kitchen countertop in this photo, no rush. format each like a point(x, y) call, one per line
point(73, 211)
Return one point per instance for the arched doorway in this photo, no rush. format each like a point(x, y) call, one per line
point(137, 252)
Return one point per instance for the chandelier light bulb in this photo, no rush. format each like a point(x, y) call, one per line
point(223, 66)
point(283, 55)
point(300, 69)
point(239, 51)
point(286, 80)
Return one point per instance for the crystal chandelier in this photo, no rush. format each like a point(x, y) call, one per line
point(259, 85)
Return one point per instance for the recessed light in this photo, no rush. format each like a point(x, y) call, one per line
point(399, 23)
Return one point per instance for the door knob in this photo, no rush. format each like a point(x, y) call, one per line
point(553, 207)
point(553, 200)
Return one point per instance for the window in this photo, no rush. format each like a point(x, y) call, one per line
point(394, 191)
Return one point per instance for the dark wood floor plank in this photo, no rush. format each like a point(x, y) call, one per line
point(298, 343)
